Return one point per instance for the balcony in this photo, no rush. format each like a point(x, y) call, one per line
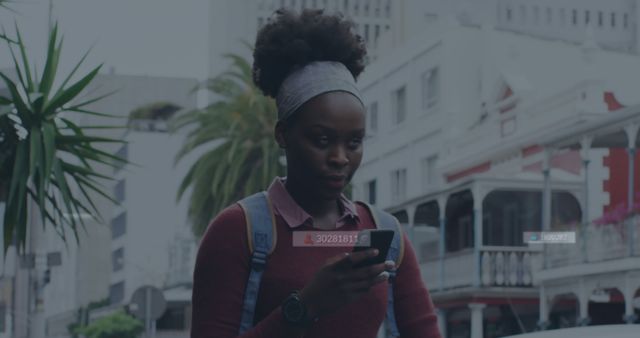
point(596, 244)
point(497, 266)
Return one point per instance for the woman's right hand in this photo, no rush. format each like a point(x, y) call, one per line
point(337, 283)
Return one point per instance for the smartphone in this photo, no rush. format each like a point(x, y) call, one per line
point(379, 239)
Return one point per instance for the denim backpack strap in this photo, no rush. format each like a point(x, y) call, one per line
point(261, 233)
point(385, 220)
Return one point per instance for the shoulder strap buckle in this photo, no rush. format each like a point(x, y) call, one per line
point(258, 260)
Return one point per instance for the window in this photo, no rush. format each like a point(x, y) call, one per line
point(3, 316)
point(366, 33)
point(523, 13)
point(370, 191)
point(356, 8)
point(549, 15)
point(387, 9)
point(429, 171)
point(118, 191)
point(398, 184)
point(314, 3)
point(376, 33)
point(399, 99)
point(587, 17)
point(509, 14)
point(574, 17)
point(117, 259)
point(119, 225)
point(613, 20)
point(377, 9)
point(260, 22)
point(346, 5)
point(116, 293)
point(536, 14)
point(600, 18)
point(430, 89)
point(386, 28)
point(373, 118)
point(561, 15)
point(625, 21)
point(366, 8)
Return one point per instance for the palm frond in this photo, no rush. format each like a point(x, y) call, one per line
point(241, 157)
point(44, 158)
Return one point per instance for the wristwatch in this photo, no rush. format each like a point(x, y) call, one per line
point(295, 313)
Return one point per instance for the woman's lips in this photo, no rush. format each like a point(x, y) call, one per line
point(335, 182)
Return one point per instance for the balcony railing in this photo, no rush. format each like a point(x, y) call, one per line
point(508, 266)
point(499, 266)
point(597, 243)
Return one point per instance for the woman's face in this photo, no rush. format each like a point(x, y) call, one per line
point(324, 143)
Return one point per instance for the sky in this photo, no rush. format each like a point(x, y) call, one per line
point(136, 37)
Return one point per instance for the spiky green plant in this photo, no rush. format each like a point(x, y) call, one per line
point(45, 156)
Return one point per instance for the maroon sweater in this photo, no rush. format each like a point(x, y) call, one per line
point(222, 269)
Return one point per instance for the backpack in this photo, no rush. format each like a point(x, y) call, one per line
point(261, 232)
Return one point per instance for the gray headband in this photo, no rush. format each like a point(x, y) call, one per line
point(312, 80)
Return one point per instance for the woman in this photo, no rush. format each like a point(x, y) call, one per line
point(308, 63)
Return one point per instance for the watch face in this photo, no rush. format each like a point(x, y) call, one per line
point(293, 310)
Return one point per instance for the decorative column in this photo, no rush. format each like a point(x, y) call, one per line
point(477, 330)
point(442, 248)
point(411, 211)
point(583, 305)
point(543, 321)
point(632, 134)
point(478, 196)
point(585, 145)
point(629, 315)
point(546, 199)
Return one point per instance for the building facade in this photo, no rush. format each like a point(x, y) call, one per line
point(463, 127)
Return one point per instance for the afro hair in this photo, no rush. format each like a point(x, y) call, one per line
point(291, 40)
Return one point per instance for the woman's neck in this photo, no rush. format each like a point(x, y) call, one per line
point(316, 207)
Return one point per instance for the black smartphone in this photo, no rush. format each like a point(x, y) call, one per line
point(379, 239)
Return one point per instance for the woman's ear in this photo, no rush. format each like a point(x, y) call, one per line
point(279, 133)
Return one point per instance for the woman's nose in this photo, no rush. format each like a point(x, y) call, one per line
point(338, 156)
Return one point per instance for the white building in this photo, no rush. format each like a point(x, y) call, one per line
point(242, 19)
point(146, 223)
point(461, 122)
point(614, 22)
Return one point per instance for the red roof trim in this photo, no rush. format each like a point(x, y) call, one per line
point(612, 102)
point(484, 167)
point(531, 150)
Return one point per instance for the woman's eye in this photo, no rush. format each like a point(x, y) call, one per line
point(355, 142)
point(322, 140)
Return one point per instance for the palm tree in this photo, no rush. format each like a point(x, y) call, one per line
point(236, 131)
point(44, 155)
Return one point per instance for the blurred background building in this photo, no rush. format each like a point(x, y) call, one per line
point(486, 121)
